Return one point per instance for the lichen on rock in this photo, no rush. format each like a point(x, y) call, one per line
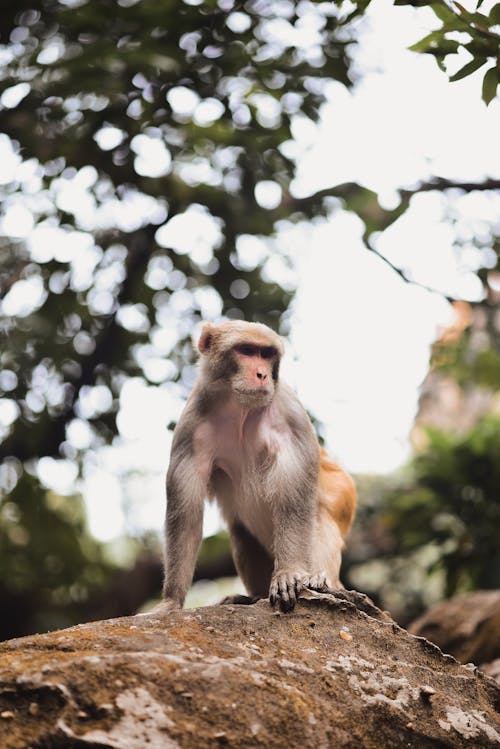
point(243, 676)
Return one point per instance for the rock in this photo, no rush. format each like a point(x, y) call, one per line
point(492, 669)
point(467, 626)
point(192, 679)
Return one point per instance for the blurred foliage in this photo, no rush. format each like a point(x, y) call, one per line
point(473, 359)
point(122, 122)
point(211, 92)
point(453, 507)
point(213, 547)
point(460, 29)
point(433, 531)
point(49, 564)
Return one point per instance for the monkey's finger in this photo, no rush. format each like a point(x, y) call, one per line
point(286, 593)
point(284, 599)
point(298, 586)
point(273, 593)
point(284, 589)
point(294, 587)
point(317, 582)
point(287, 603)
point(323, 581)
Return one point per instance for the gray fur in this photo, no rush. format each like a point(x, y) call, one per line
point(261, 462)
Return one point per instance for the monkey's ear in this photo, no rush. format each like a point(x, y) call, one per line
point(282, 347)
point(205, 338)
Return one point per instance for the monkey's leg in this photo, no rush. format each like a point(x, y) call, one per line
point(326, 555)
point(252, 561)
point(239, 600)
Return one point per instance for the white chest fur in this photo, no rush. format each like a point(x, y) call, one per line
point(239, 442)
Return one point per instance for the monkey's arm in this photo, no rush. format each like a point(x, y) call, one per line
point(292, 553)
point(186, 492)
point(294, 509)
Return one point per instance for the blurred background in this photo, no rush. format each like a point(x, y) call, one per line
point(303, 164)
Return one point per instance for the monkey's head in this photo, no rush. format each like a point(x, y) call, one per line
point(242, 359)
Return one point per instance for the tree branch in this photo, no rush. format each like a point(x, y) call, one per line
point(440, 183)
point(471, 25)
point(365, 203)
point(407, 279)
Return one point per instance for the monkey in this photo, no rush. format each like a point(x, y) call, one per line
point(245, 439)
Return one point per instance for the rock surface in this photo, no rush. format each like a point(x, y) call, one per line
point(492, 669)
point(336, 672)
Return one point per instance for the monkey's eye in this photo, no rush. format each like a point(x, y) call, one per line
point(246, 349)
point(268, 352)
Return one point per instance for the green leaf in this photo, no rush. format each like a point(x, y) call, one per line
point(478, 18)
point(440, 63)
point(490, 83)
point(429, 42)
point(494, 16)
point(415, 3)
point(443, 12)
point(482, 47)
point(469, 68)
point(436, 44)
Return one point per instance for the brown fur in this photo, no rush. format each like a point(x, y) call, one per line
point(338, 493)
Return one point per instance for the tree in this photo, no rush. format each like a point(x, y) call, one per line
point(178, 112)
point(472, 32)
point(181, 113)
point(473, 36)
point(178, 116)
point(460, 31)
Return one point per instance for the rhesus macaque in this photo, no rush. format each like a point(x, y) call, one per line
point(245, 439)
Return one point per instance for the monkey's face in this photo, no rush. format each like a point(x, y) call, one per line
point(243, 359)
point(255, 374)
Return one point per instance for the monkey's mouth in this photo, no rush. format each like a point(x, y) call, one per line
point(257, 392)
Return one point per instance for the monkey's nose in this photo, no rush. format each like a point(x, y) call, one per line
point(261, 376)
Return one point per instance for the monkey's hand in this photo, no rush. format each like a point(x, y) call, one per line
point(286, 585)
point(318, 581)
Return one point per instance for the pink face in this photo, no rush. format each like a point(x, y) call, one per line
point(256, 366)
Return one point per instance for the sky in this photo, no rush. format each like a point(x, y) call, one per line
point(361, 333)
point(360, 336)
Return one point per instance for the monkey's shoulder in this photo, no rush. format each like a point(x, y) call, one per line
point(289, 404)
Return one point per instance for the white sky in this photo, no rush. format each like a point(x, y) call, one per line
point(360, 338)
point(361, 334)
